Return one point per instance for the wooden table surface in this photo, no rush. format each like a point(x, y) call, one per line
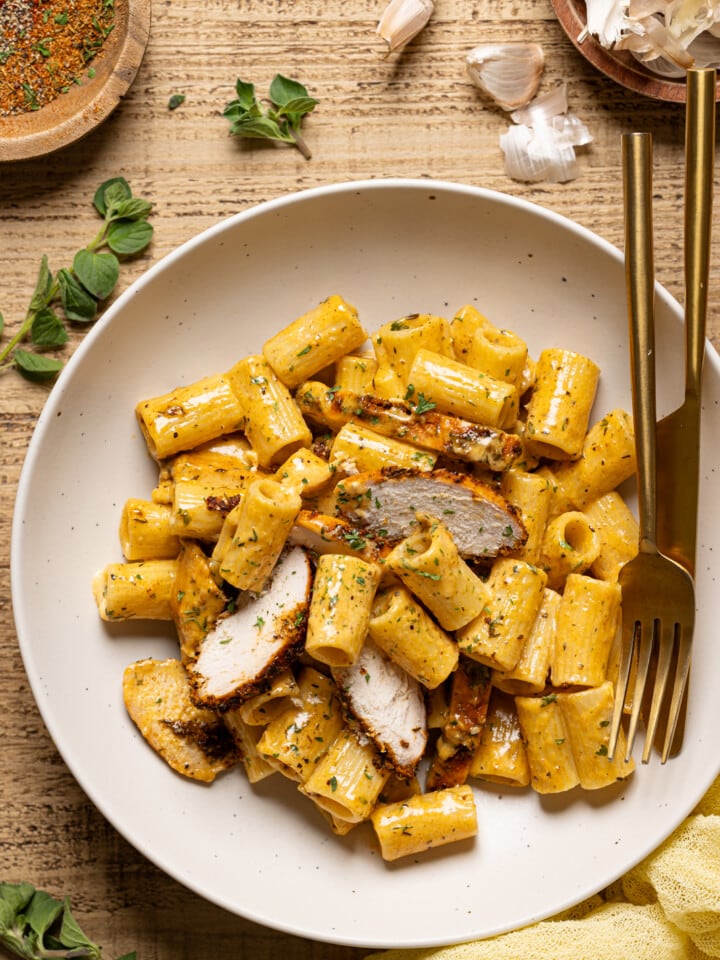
point(414, 115)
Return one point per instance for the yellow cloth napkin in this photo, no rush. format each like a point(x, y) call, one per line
point(666, 908)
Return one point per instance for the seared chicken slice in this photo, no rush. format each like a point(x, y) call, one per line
point(193, 741)
point(386, 503)
point(439, 432)
point(325, 534)
point(460, 738)
point(389, 706)
point(247, 649)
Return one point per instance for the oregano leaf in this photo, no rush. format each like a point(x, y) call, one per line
point(47, 329)
point(77, 303)
point(126, 237)
point(121, 190)
point(43, 286)
point(34, 366)
point(97, 272)
point(134, 208)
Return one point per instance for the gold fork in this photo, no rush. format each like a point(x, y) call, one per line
point(658, 596)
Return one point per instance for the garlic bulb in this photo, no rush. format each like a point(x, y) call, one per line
point(402, 20)
point(508, 72)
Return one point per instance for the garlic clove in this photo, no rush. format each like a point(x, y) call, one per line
point(509, 73)
point(402, 20)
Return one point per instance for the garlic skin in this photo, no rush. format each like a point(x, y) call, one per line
point(541, 143)
point(402, 20)
point(509, 73)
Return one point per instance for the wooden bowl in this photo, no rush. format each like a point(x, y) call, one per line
point(620, 65)
point(74, 114)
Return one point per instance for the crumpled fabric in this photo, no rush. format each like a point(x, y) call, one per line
point(665, 908)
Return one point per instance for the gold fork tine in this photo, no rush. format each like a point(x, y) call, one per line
point(676, 701)
point(665, 643)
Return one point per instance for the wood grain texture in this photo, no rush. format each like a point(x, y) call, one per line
point(414, 115)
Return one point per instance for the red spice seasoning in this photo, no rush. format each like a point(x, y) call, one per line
point(46, 46)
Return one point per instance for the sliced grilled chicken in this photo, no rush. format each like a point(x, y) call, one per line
point(460, 738)
point(193, 741)
point(325, 534)
point(248, 648)
point(441, 432)
point(389, 706)
point(386, 502)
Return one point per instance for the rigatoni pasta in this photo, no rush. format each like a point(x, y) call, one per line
point(371, 560)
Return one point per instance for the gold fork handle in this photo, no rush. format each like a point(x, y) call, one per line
point(699, 170)
point(640, 282)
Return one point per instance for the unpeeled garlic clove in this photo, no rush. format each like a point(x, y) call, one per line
point(402, 20)
point(509, 73)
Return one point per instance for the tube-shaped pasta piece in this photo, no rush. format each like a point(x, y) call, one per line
point(425, 821)
point(357, 449)
point(246, 738)
point(273, 424)
point(560, 405)
point(499, 353)
point(530, 673)
point(463, 327)
point(348, 780)
point(496, 637)
point(458, 389)
point(608, 459)
point(570, 545)
point(135, 591)
point(189, 415)
point(197, 601)
point(588, 714)
point(343, 594)
point(410, 637)
point(264, 707)
point(203, 492)
point(355, 373)
point(617, 531)
point(501, 756)
point(145, 531)
point(429, 564)
point(396, 344)
point(532, 495)
point(545, 734)
point(256, 533)
point(315, 340)
point(587, 620)
point(296, 740)
point(306, 472)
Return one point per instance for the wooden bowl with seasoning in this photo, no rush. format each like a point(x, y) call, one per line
point(64, 68)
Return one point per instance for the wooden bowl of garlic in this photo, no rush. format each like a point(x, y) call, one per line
point(636, 68)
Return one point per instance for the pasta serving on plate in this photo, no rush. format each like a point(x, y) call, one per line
point(392, 568)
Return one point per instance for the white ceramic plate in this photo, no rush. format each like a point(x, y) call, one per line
point(391, 248)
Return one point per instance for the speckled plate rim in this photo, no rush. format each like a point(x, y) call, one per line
point(83, 109)
point(262, 853)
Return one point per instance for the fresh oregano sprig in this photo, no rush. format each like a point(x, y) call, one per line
point(280, 120)
point(75, 293)
point(36, 926)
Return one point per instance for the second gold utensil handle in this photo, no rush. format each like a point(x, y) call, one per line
point(640, 281)
point(699, 170)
